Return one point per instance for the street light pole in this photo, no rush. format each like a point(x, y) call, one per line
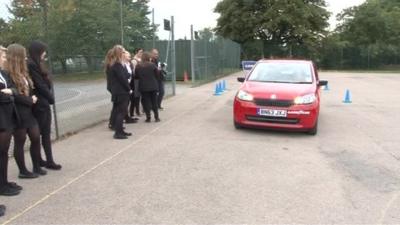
point(122, 22)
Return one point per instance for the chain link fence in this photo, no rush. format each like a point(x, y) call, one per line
point(82, 99)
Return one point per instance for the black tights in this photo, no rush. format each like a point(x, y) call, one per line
point(5, 139)
point(19, 139)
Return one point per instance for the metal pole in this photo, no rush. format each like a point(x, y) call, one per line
point(154, 33)
point(192, 55)
point(173, 56)
point(206, 59)
point(122, 22)
point(46, 33)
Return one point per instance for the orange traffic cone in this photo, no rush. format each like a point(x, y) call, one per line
point(185, 77)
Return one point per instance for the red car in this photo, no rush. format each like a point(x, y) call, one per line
point(279, 94)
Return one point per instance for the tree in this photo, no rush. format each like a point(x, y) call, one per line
point(78, 27)
point(206, 34)
point(374, 28)
point(280, 24)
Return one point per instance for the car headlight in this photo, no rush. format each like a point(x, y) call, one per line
point(306, 99)
point(242, 95)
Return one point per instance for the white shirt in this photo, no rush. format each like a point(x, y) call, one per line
point(128, 67)
point(3, 80)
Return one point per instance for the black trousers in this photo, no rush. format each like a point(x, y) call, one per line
point(134, 105)
point(111, 122)
point(149, 102)
point(161, 93)
point(120, 108)
point(43, 116)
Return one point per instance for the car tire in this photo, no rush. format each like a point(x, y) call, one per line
point(237, 125)
point(314, 130)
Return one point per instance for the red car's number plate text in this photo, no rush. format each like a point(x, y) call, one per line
point(272, 112)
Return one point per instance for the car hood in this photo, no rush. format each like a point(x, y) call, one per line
point(280, 90)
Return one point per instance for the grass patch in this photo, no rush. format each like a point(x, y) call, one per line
point(76, 77)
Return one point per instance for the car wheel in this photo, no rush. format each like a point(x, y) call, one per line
point(314, 130)
point(237, 125)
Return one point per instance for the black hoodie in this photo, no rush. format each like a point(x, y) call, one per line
point(43, 86)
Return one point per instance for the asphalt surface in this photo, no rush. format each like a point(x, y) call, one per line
point(195, 168)
point(82, 104)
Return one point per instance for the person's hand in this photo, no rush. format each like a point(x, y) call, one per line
point(34, 99)
point(7, 91)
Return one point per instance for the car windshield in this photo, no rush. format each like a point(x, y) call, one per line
point(282, 72)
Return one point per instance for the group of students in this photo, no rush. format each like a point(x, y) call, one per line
point(26, 93)
point(132, 82)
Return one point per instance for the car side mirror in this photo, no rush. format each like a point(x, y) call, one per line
point(322, 83)
point(241, 79)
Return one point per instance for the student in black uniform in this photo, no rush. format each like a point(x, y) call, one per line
point(24, 101)
point(120, 89)
point(160, 77)
point(129, 75)
point(112, 113)
point(7, 124)
point(147, 74)
point(135, 97)
point(44, 92)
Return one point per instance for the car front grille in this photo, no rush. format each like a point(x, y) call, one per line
point(273, 102)
point(268, 119)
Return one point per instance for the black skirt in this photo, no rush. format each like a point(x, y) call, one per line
point(7, 117)
point(25, 117)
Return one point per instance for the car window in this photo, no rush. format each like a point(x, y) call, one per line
point(280, 72)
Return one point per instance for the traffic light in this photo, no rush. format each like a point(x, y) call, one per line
point(167, 25)
point(196, 35)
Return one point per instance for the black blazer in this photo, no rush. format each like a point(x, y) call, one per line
point(118, 80)
point(147, 74)
point(43, 87)
point(7, 107)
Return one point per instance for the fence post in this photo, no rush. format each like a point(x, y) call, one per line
point(192, 54)
point(173, 56)
point(206, 59)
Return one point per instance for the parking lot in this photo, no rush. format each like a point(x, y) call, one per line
point(195, 167)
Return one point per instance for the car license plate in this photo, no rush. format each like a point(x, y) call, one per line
point(272, 112)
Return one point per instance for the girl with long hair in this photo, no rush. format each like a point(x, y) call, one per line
point(44, 92)
point(7, 124)
point(135, 98)
point(24, 101)
point(119, 87)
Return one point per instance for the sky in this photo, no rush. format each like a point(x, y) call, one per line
point(199, 13)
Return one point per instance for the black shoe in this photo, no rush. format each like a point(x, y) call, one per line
point(161, 108)
point(42, 163)
point(120, 136)
point(2, 210)
point(147, 120)
point(40, 171)
point(126, 133)
point(8, 191)
point(53, 166)
point(28, 175)
point(130, 120)
point(158, 120)
point(14, 185)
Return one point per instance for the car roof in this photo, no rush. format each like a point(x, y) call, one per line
point(286, 61)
